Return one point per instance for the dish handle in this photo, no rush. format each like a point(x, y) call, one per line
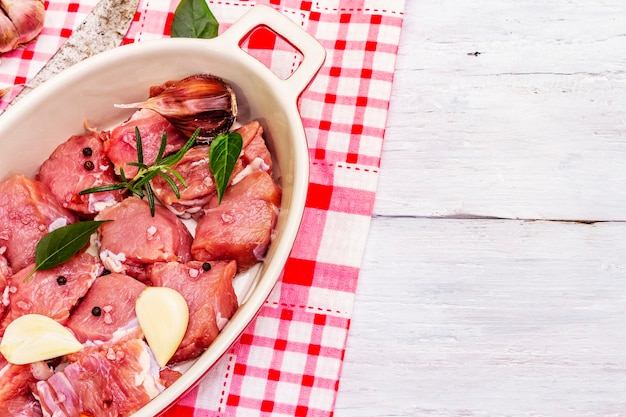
point(312, 51)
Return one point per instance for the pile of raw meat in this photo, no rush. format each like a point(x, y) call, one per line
point(93, 294)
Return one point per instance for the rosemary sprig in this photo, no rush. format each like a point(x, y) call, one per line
point(140, 184)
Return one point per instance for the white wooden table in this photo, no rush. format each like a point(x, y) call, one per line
point(494, 280)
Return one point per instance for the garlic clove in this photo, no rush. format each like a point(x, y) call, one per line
point(199, 101)
point(163, 316)
point(9, 36)
point(34, 337)
point(27, 16)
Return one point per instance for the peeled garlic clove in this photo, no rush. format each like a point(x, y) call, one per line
point(26, 15)
point(34, 337)
point(199, 101)
point(163, 316)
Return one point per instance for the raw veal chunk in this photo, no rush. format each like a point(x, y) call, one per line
point(53, 292)
point(209, 294)
point(112, 382)
point(194, 168)
point(75, 165)
point(107, 312)
point(254, 146)
point(121, 146)
point(240, 227)
point(5, 273)
point(14, 380)
point(134, 238)
point(21, 406)
point(28, 210)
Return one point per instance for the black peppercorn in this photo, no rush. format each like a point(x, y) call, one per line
point(61, 280)
point(96, 311)
point(87, 151)
point(206, 266)
point(89, 166)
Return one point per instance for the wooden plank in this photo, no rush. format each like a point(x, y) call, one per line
point(533, 127)
point(488, 318)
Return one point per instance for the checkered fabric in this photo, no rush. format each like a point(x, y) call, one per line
point(19, 66)
point(288, 361)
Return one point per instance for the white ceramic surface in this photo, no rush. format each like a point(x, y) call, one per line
point(51, 113)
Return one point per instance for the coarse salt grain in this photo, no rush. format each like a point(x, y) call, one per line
point(111, 354)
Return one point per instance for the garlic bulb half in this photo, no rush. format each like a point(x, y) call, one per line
point(20, 22)
point(199, 101)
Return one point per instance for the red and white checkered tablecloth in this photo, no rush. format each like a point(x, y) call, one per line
point(288, 361)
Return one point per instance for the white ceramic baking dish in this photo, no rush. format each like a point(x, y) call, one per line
point(57, 109)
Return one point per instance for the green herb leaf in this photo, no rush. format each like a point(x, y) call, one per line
point(139, 145)
point(150, 195)
point(175, 174)
point(161, 148)
point(175, 158)
point(61, 244)
point(171, 183)
point(140, 184)
point(223, 155)
point(194, 19)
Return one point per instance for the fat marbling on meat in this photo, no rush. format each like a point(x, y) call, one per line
point(28, 211)
point(75, 165)
point(112, 382)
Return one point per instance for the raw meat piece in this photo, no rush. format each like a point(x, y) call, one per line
point(5, 273)
point(215, 284)
point(135, 238)
point(114, 382)
point(28, 210)
point(254, 145)
point(194, 168)
point(15, 384)
point(241, 226)
point(169, 376)
point(209, 295)
point(121, 147)
point(21, 406)
point(114, 319)
point(53, 292)
point(14, 380)
point(75, 165)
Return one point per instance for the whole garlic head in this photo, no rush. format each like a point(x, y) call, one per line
point(20, 22)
